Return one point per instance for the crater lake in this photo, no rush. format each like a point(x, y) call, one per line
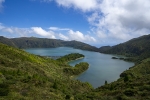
point(101, 66)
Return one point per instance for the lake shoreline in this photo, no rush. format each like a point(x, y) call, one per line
point(75, 60)
point(102, 67)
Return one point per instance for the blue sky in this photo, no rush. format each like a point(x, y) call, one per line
point(97, 22)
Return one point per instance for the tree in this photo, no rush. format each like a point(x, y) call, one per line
point(105, 82)
point(126, 78)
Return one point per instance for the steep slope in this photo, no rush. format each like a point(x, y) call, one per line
point(137, 47)
point(32, 42)
point(29, 77)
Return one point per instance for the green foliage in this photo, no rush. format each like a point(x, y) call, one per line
point(134, 84)
point(29, 77)
point(26, 76)
point(79, 68)
point(126, 78)
point(69, 57)
point(139, 48)
point(55, 85)
point(4, 90)
point(105, 82)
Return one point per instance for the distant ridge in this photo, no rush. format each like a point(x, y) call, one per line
point(137, 47)
point(33, 42)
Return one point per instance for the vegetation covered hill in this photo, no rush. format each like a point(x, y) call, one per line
point(133, 84)
point(29, 77)
point(32, 42)
point(137, 47)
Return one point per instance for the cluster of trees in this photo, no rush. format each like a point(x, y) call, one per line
point(69, 57)
point(78, 69)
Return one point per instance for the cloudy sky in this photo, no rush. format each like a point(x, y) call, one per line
point(97, 22)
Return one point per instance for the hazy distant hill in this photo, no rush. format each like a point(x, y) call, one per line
point(135, 47)
point(32, 42)
point(6, 41)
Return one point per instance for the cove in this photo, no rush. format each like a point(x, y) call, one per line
point(102, 66)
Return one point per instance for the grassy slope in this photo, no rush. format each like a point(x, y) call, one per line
point(26, 76)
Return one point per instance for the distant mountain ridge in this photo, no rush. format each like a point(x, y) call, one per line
point(137, 47)
point(32, 42)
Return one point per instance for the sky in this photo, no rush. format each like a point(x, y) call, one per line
point(96, 22)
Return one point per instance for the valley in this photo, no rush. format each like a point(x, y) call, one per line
point(27, 76)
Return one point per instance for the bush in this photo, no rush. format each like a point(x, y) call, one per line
point(4, 89)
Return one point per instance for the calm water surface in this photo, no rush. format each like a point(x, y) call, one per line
point(101, 68)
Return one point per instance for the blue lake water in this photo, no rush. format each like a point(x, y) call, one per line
point(102, 66)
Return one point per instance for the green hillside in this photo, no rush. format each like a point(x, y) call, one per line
point(29, 77)
point(133, 84)
point(137, 47)
point(32, 42)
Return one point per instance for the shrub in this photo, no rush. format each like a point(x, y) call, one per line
point(4, 89)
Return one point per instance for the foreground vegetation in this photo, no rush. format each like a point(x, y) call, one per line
point(26, 76)
point(29, 77)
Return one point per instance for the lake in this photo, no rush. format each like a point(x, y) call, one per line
point(102, 66)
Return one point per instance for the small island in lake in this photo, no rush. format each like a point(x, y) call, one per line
point(77, 69)
point(70, 57)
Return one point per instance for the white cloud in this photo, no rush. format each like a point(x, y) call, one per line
point(9, 30)
point(21, 32)
point(52, 32)
point(25, 32)
point(42, 32)
point(69, 34)
point(58, 29)
point(63, 37)
point(1, 6)
point(121, 20)
point(113, 20)
point(84, 5)
point(77, 35)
